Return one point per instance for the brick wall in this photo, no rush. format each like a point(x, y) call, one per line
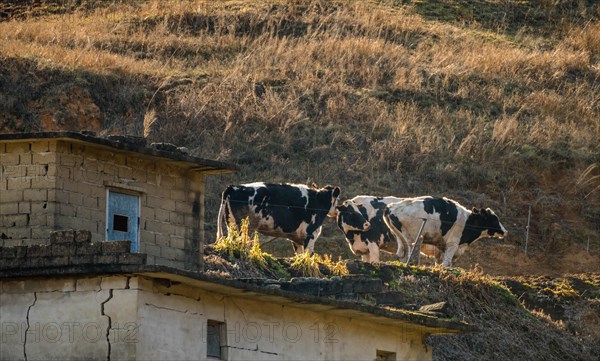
point(68, 248)
point(62, 184)
point(27, 183)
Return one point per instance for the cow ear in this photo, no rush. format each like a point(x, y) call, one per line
point(483, 211)
point(475, 210)
point(336, 192)
point(314, 185)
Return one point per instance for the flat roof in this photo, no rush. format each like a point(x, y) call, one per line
point(131, 144)
point(383, 315)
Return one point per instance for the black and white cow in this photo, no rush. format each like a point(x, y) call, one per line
point(450, 227)
point(356, 213)
point(291, 211)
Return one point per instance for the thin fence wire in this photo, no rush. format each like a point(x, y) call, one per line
point(517, 232)
point(539, 232)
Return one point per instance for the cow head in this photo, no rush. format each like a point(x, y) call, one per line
point(489, 223)
point(333, 193)
point(349, 218)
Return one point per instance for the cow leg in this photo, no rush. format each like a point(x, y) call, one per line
point(429, 251)
point(373, 252)
point(311, 237)
point(298, 248)
point(309, 244)
point(359, 248)
point(449, 254)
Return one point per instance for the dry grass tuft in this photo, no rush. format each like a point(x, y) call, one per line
point(243, 250)
point(307, 265)
point(238, 244)
point(316, 266)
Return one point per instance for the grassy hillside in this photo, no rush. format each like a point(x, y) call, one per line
point(493, 103)
point(490, 102)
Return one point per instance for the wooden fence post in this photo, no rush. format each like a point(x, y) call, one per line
point(527, 229)
point(416, 250)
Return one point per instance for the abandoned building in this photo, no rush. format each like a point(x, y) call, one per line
point(101, 258)
point(116, 188)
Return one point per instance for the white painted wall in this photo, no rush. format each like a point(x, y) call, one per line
point(69, 318)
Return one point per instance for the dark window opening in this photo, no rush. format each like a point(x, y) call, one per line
point(385, 356)
point(214, 339)
point(120, 223)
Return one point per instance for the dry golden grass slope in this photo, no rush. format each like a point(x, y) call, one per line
point(490, 102)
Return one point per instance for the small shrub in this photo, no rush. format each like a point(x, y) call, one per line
point(561, 290)
point(238, 245)
point(307, 265)
point(256, 255)
point(337, 268)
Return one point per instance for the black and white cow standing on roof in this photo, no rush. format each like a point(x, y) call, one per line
point(450, 227)
point(292, 211)
point(361, 221)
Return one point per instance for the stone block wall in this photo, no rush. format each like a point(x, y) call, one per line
point(68, 248)
point(51, 184)
point(27, 192)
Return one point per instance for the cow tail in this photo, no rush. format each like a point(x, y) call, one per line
point(387, 220)
point(395, 226)
point(224, 201)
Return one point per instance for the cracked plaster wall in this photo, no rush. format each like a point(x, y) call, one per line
point(64, 319)
point(120, 317)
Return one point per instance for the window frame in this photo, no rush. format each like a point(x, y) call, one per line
point(382, 355)
point(221, 337)
point(135, 244)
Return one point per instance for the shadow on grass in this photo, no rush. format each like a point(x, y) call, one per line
point(538, 17)
point(29, 89)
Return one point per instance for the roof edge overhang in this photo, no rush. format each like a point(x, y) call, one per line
point(421, 322)
point(193, 163)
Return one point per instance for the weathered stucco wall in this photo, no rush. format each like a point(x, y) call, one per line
point(58, 319)
point(132, 317)
point(59, 184)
